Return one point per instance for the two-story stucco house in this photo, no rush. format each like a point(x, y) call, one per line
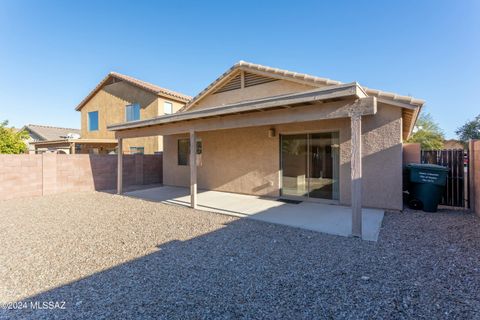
point(119, 98)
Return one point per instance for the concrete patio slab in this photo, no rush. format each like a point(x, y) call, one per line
point(331, 219)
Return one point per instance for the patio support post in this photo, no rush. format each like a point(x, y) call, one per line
point(120, 166)
point(193, 170)
point(471, 203)
point(356, 174)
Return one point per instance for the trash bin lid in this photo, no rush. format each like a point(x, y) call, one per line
point(427, 166)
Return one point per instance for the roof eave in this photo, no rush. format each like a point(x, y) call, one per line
point(412, 125)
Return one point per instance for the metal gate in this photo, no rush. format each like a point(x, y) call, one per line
point(457, 188)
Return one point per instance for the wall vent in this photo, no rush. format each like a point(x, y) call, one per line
point(233, 84)
point(252, 79)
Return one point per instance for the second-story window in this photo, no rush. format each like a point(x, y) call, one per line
point(167, 107)
point(93, 121)
point(132, 112)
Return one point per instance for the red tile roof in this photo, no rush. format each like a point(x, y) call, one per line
point(138, 83)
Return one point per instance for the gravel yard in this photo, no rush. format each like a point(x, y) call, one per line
point(98, 255)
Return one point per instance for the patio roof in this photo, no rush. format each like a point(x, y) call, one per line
point(324, 94)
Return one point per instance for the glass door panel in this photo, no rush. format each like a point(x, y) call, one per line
point(294, 165)
point(323, 165)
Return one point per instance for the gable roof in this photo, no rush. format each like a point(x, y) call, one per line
point(115, 76)
point(49, 132)
point(292, 76)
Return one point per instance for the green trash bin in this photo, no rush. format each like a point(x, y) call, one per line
point(427, 183)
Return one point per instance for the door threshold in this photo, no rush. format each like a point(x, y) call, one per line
point(289, 201)
point(310, 200)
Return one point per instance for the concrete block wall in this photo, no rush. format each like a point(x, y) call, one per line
point(20, 176)
point(29, 175)
point(152, 164)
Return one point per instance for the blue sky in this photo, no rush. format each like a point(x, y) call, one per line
point(52, 53)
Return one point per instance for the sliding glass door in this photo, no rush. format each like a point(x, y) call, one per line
point(294, 165)
point(310, 165)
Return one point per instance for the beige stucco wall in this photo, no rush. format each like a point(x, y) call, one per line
point(247, 160)
point(411, 153)
point(268, 89)
point(110, 103)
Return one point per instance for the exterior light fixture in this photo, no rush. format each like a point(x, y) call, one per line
point(271, 132)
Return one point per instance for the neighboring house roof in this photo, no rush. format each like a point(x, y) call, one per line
point(452, 144)
point(112, 76)
point(49, 132)
point(411, 106)
point(78, 141)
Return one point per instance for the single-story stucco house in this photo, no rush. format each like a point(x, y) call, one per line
point(269, 132)
point(42, 138)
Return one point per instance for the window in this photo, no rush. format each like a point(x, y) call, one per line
point(167, 107)
point(137, 150)
point(93, 121)
point(184, 151)
point(132, 112)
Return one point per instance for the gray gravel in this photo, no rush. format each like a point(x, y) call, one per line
point(107, 256)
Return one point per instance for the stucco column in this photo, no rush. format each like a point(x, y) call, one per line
point(356, 174)
point(193, 170)
point(120, 166)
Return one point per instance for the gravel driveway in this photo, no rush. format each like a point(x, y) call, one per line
point(97, 255)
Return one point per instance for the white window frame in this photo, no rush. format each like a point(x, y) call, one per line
point(133, 105)
point(165, 103)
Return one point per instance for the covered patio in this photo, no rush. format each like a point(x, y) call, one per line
point(332, 102)
point(330, 219)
